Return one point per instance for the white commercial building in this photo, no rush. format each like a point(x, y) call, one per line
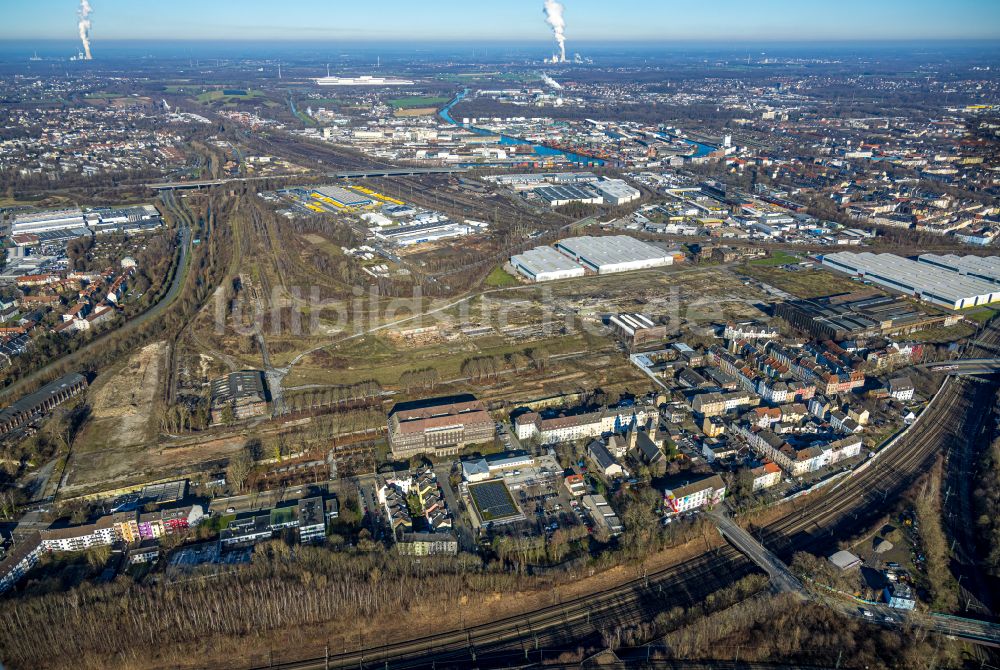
point(363, 80)
point(614, 253)
point(557, 196)
point(616, 191)
point(42, 222)
point(986, 268)
point(922, 280)
point(545, 264)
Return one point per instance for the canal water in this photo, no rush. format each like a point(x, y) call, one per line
point(507, 140)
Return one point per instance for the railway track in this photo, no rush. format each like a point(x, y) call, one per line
point(554, 626)
point(823, 515)
point(816, 523)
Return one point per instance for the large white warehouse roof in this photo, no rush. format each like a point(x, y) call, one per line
point(977, 267)
point(544, 264)
point(919, 279)
point(614, 253)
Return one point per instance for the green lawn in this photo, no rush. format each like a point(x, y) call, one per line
point(220, 94)
point(499, 278)
point(777, 257)
point(980, 315)
point(418, 101)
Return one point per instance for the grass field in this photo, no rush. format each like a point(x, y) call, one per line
point(943, 335)
point(499, 278)
point(227, 95)
point(803, 283)
point(777, 257)
point(980, 314)
point(417, 101)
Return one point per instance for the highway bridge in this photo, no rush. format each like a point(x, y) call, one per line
point(348, 174)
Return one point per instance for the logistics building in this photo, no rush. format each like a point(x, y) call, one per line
point(557, 196)
point(429, 231)
point(545, 264)
point(341, 196)
point(616, 191)
point(614, 253)
point(917, 279)
point(986, 268)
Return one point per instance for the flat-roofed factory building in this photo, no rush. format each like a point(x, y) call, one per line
point(438, 426)
point(613, 253)
point(44, 399)
point(341, 196)
point(637, 330)
point(545, 264)
point(616, 191)
point(244, 393)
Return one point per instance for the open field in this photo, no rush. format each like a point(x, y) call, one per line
point(558, 326)
point(416, 111)
point(803, 283)
point(122, 402)
point(499, 278)
point(777, 257)
point(120, 439)
point(227, 95)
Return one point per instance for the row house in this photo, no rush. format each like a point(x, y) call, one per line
point(799, 461)
point(895, 355)
point(771, 389)
point(582, 426)
point(397, 512)
point(716, 404)
point(843, 423)
point(765, 476)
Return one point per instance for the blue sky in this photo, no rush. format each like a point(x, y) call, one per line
point(506, 20)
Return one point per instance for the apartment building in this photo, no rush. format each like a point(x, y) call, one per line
point(689, 491)
point(569, 428)
point(438, 426)
point(427, 544)
point(766, 476)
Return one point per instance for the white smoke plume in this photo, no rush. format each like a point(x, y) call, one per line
point(84, 26)
point(550, 81)
point(554, 17)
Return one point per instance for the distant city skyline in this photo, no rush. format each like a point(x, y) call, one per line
point(514, 20)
